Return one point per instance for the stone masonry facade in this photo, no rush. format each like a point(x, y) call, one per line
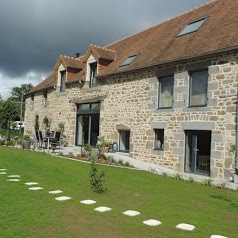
point(130, 100)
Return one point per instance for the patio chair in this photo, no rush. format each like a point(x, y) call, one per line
point(57, 136)
point(38, 139)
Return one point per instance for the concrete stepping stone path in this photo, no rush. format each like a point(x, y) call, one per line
point(14, 176)
point(3, 172)
point(55, 192)
point(35, 188)
point(103, 209)
point(3, 169)
point(218, 236)
point(186, 227)
point(13, 180)
point(63, 198)
point(152, 222)
point(88, 202)
point(131, 213)
point(31, 183)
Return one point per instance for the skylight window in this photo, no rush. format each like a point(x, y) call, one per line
point(192, 27)
point(129, 60)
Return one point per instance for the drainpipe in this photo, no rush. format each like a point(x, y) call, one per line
point(236, 162)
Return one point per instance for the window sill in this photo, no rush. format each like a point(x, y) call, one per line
point(192, 106)
point(161, 108)
point(158, 151)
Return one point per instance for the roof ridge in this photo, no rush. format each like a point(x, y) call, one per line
point(103, 48)
point(69, 57)
point(157, 24)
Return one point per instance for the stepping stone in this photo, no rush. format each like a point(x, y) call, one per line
point(13, 180)
point(152, 222)
point(3, 169)
point(13, 176)
point(63, 198)
point(55, 192)
point(186, 227)
point(2, 172)
point(131, 213)
point(31, 183)
point(103, 209)
point(217, 236)
point(35, 188)
point(88, 202)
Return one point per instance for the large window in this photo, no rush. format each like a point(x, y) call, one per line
point(159, 139)
point(166, 85)
point(88, 124)
point(198, 88)
point(62, 80)
point(93, 73)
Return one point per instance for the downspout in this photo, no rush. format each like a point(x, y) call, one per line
point(236, 162)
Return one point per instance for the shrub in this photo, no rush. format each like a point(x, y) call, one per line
point(207, 182)
point(97, 181)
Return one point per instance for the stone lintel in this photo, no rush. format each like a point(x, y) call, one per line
point(158, 125)
point(88, 100)
point(197, 125)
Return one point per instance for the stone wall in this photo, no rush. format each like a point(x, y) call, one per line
point(131, 100)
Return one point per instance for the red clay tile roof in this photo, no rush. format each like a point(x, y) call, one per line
point(69, 62)
point(160, 44)
point(48, 83)
point(99, 53)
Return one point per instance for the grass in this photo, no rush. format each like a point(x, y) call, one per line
point(26, 213)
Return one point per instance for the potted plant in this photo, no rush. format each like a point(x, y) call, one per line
point(26, 142)
point(106, 146)
point(61, 126)
point(54, 142)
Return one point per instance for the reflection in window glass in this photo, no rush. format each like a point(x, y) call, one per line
point(166, 92)
point(124, 143)
point(198, 88)
point(159, 139)
point(192, 27)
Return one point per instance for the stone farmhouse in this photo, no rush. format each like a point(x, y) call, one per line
point(166, 95)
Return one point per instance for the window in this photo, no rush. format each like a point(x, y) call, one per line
point(192, 27)
point(46, 99)
point(124, 142)
point(93, 73)
point(63, 80)
point(166, 85)
point(32, 102)
point(198, 88)
point(129, 60)
point(159, 139)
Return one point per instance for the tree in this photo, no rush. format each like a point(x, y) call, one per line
point(16, 92)
point(17, 95)
point(8, 112)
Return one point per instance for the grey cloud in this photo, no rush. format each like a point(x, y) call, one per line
point(35, 33)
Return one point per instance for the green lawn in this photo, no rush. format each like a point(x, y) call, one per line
point(25, 213)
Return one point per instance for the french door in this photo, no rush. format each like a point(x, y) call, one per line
point(198, 147)
point(87, 131)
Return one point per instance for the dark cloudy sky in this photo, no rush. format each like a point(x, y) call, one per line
point(33, 33)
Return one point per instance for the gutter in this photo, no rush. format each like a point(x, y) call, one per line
point(40, 90)
point(171, 61)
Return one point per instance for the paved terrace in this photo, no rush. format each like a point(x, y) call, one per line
point(137, 164)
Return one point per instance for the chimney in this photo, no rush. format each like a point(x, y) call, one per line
point(77, 55)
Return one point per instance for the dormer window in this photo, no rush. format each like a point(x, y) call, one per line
point(93, 73)
point(62, 80)
point(192, 27)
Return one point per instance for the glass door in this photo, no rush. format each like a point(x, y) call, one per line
point(198, 146)
point(87, 130)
